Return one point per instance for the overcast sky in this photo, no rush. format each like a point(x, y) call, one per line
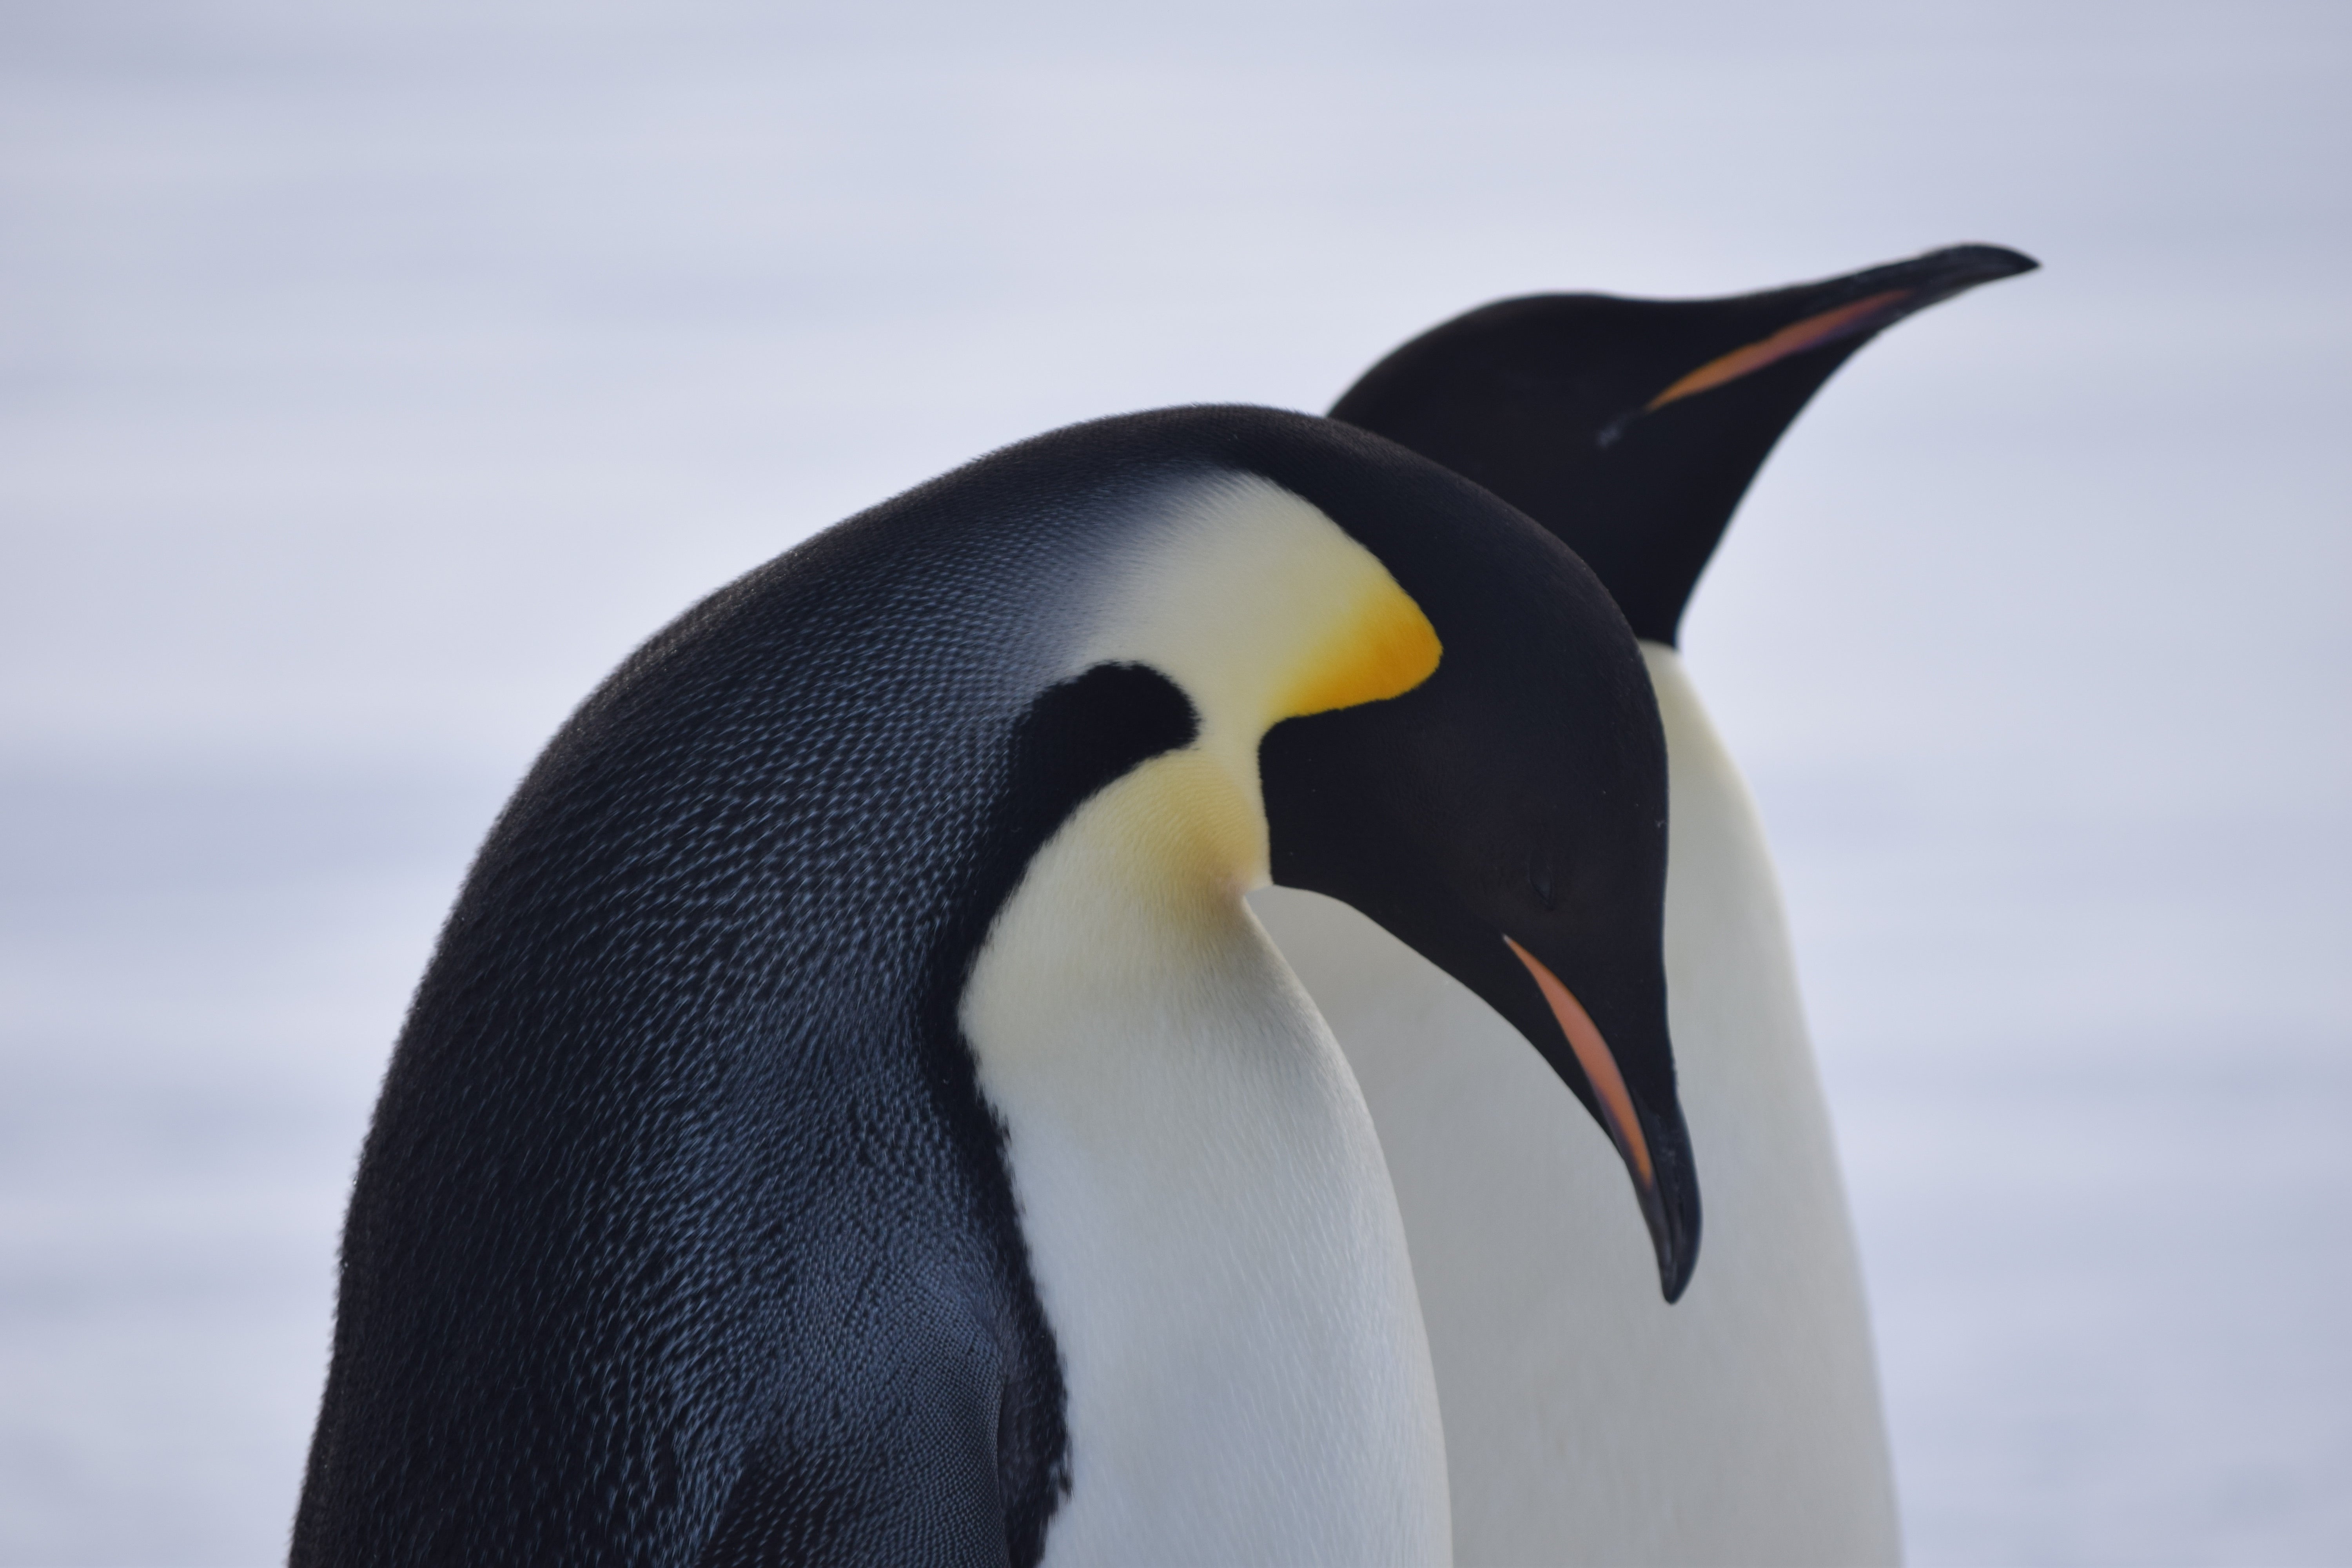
point(374, 376)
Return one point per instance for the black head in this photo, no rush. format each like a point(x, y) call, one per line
point(1507, 817)
point(1631, 428)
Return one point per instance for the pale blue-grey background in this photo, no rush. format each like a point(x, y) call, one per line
point(374, 375)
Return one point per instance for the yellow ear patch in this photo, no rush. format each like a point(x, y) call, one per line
point(1384, 647)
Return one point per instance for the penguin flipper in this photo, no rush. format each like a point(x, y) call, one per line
point(917, 1482)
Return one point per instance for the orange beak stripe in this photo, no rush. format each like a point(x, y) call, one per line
point(1793, 338)
point(1600, 1066)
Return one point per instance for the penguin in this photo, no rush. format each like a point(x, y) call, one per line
point(852, 1115)
point(1584, 1424)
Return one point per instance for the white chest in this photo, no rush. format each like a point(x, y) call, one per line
point(1588, 1421)
point(1209, 1219)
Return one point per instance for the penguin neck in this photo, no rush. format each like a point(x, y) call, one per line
point(1730, 963)
point(1786, 1281)
point(1213, 1232)
point(1711, 802)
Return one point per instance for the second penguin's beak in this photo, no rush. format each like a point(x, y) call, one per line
point(1854, 306)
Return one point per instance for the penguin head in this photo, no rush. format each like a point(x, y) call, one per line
point(1632, 427)
point(1409, 697)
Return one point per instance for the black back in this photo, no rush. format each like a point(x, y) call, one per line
point(682, 1233)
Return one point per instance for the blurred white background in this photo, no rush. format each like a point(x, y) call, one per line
point(374, 376)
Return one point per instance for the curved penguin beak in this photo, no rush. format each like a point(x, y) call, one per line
point(1857, 305)
point(1670, 1211)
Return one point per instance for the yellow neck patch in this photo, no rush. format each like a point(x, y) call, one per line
point(1259, 609)
point(1383, 648)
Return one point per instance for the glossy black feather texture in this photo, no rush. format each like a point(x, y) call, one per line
point(682, 1233)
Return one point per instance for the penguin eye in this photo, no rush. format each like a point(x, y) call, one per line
point(1539, 878)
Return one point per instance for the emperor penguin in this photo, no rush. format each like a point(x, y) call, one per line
point(852, 1115)
point(1584, 1423)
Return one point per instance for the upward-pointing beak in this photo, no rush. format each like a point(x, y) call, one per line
point(1816, 315)
point(1867, 315)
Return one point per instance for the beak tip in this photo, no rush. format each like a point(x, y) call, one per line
point(1959, 268)
point(2001, 261)
point(1670, 1206)
point(1674, 1275)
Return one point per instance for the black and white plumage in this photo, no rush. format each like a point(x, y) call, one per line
point(852, 1116)
point(1584, 1422)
